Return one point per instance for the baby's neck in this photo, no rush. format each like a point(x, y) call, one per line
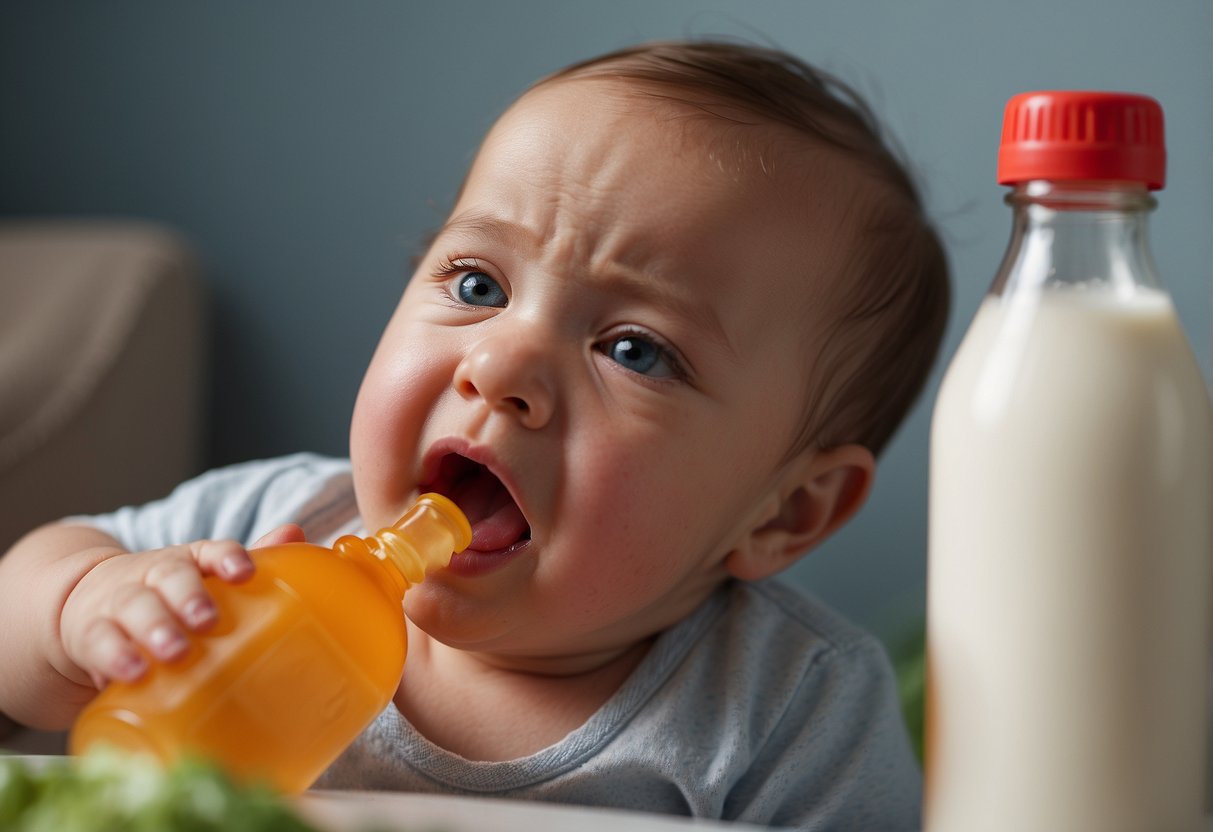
point(492, 708)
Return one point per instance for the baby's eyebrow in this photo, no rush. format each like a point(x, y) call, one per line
point(636, 284)
point(653, 291)
point(485, 224)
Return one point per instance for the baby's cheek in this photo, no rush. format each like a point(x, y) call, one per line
point(383, 446)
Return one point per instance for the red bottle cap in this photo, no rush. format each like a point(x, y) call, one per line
point(1082, 135)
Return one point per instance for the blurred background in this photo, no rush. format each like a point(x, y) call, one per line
point(302, 150)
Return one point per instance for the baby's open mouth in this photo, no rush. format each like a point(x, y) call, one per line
point(497, 522)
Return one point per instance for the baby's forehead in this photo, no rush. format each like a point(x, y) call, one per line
point(700, 160)
point(734, 133)
point(710, 145)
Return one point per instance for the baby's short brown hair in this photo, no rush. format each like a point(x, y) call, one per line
point(889, 303)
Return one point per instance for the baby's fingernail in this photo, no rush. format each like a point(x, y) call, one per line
point(166, 642)
point(129, 666)
point(199, 612)
point(233, 566)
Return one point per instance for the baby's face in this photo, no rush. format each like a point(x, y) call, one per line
point(602, 359)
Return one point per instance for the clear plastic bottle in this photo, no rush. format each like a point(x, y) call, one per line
point(1071, 505)
point(302, 659)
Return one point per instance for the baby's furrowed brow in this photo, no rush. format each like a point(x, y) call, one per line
point(480, 224)
point(483, 224)
point(654, 292)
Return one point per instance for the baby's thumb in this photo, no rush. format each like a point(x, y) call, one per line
point(290, 533)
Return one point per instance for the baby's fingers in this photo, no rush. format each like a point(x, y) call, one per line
point(147, 617)
point(290, 533)
point(179, 595)
point(225, 558)
point(106, 652)
point(178, 582)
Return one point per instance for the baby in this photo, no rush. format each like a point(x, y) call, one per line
point(683, 299)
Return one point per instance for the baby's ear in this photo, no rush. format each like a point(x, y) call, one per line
point(820, 491)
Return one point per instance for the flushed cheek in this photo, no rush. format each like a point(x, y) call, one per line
point(611, 513)
point(624, 575)
point(391, 410)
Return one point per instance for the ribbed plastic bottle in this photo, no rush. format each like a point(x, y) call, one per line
point(303, 657)
point(1071, 505)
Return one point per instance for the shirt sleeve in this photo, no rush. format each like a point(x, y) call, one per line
point(238, 502)
point(840, 759)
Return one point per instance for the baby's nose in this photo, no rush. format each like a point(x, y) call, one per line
point(509, 374)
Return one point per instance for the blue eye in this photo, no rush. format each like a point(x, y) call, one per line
point(640, 355)
point(478, 289)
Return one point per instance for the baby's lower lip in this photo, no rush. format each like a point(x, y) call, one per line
point(471, 563)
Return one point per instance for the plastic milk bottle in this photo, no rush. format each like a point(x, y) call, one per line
point(302, 659)
point(1071, 505)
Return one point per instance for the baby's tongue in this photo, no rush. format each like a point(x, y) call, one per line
point(496, 519)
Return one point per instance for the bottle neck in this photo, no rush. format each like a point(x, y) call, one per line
point(1078, 235)
point(423, 539)
point(372, 556)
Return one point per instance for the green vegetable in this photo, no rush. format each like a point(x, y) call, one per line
point(106, 791)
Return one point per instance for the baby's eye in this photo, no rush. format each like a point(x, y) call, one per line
point(478, 289)
point(640, 355)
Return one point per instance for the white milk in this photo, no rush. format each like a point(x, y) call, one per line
point(1071, 529)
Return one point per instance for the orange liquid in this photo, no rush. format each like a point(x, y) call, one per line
point(303, 657)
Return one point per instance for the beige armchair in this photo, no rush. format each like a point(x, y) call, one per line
point(102, 378)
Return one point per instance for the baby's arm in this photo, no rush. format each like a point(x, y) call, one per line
point(77, 610)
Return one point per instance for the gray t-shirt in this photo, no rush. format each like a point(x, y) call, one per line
point(762, 706)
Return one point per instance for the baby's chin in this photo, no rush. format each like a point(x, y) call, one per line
point(437, 610)
point(516, 640)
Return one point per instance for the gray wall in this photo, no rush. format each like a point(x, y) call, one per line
point(305, 148)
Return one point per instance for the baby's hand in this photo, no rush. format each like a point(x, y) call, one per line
point(150, 600)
